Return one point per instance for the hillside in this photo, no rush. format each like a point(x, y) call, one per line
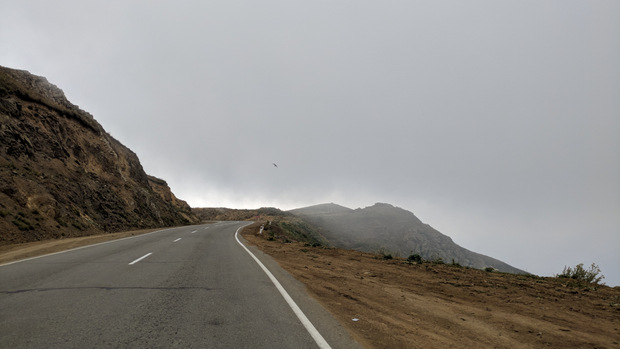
point(277, 224)
point(397, 304)
point(231, 214)
point(63, 175)
point(392, 230)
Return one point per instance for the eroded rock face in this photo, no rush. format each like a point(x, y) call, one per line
point(61, 174)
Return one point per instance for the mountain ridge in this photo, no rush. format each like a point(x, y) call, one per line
point(384, 227)
point(323, 208)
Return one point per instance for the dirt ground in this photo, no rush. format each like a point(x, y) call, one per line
point(393, 304)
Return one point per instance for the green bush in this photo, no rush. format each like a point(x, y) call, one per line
point(22, 223)
point(414, 258)
point(385, 253)
point(592, 275)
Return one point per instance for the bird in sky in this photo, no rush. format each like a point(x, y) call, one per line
point(274, 164)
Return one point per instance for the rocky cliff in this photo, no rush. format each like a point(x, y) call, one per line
point(62, 174)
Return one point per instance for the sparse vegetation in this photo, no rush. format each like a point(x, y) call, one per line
point(414, 258)
point(61, 222)
point(22, 223)
point(395, 229)
point(301, 231)
point(385, 254)
point(579, 273)
point(385, 295)
point(9, 165)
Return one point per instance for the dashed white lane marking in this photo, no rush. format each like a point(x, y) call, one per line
point(320, 341)
point(193, 231)
point(141, 258)
point(84, 247)
point(177, 240)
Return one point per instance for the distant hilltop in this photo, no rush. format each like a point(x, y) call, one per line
point(393, 230)
point(62, 174)
point(380, 228)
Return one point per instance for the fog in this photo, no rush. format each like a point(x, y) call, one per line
point(494, 122)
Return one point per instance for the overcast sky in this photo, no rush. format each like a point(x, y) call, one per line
point(496, 122)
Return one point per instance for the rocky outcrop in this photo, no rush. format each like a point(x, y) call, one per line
point(161, 187)
point(61, 174)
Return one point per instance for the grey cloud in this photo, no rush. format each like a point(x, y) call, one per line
point(494, 122)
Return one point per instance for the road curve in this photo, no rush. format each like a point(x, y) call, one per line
point(186, 287)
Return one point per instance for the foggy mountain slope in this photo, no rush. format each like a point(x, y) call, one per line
point(322, 210)
point(62, 174)
point(383, 226)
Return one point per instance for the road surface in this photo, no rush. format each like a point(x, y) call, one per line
point(187, 287)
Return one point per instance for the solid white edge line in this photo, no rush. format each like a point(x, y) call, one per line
point(320, 341)
point(141, 258)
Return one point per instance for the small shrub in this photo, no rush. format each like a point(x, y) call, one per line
point(414, 258)
point(10, 166)
point(272, 236)
point(385, 253)
point(61, 222)
point(22, 224)
point(489, 269)
point(592, 275)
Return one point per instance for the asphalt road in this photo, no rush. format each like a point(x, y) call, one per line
point(186, 287)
